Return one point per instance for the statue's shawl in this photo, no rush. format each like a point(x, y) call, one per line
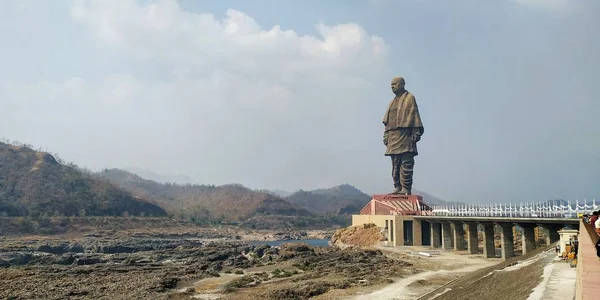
point(408, 112)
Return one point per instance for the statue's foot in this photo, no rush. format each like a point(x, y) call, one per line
point(404, 192)
point(395, 192)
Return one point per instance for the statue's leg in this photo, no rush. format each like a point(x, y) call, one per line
point(396, 165)
point(406, 172)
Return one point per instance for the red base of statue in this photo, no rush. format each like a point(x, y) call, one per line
point(396, 205)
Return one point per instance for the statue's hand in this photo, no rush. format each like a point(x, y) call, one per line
point(416, 138)
point(385, 140)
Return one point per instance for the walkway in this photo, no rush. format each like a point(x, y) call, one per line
point(558, 282)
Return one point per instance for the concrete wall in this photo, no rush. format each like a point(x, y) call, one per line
point(588, 266)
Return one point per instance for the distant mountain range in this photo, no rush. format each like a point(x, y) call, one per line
point(228, 203)
point(236, 203)
point(341, 199)
point(35, 183)
point(147, 174)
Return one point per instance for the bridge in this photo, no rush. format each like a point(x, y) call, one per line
point(407, 220)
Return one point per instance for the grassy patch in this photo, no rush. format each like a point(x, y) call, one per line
point(239, 283)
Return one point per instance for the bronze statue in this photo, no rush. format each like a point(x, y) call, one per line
point(403, 129)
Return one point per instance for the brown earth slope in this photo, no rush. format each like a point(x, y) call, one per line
point(33, 183)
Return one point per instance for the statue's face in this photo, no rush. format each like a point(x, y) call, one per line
point(397, 85)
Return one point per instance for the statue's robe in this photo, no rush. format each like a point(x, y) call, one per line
point(402, 121)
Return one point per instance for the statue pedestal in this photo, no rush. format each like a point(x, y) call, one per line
point(395, 205)
point(408, 198)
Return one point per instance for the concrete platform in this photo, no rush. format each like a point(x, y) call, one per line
point(558, 283)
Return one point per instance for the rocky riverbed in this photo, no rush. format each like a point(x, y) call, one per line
point(211, 265)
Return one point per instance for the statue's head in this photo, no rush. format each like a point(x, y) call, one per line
point(398, 85)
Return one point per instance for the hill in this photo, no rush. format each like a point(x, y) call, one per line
point(208, 203)
point(178, 179)
point(341, 199)
point(33, 183)
point(344, 199)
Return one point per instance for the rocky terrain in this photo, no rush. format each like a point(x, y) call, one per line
point(111, 265)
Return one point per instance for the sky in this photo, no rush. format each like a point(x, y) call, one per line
point(290, 95)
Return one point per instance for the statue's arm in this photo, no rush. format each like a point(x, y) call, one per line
point(418, 131)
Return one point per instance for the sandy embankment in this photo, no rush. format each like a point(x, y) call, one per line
point(432, 272)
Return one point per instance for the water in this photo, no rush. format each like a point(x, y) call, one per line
point(312, 242)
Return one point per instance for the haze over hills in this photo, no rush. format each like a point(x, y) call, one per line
point(432, 200)
point(147, 174)
point(33, 183)
point(280, 193)
point(232, 203)
point(341, 199)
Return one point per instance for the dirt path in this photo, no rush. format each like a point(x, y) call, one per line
point(408, 288)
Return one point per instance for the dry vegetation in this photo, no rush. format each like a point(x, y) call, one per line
point(35, 184)
point(227, 204)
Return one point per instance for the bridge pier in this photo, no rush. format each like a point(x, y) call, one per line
point(417, 233)
point(489, 248)
point(552, 234)
point(450, 232)
point(436, 234)
point(528, 238)
point(446, 236)
point(472, 238)
point(459, 236)
point(507, 240)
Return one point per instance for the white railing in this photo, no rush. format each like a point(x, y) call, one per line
point(547, 209)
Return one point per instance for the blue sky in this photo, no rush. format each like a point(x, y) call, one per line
point(210, 89)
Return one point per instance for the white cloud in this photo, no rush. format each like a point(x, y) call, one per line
point(213, 98)
point(162, 33)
